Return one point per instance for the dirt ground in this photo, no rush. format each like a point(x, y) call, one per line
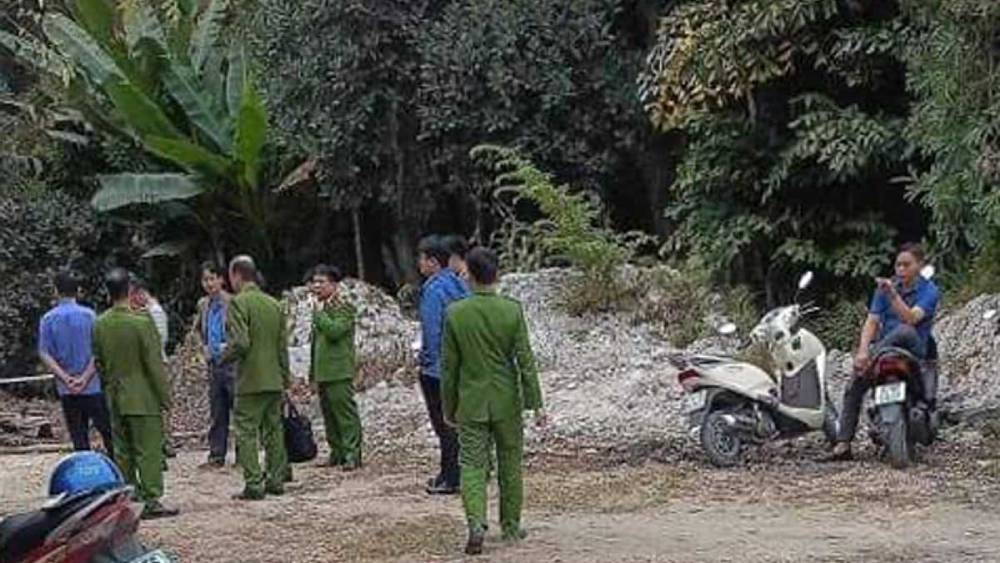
point(594, 507)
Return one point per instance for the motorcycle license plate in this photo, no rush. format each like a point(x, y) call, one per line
point(891, 393)
point(695, 401)
point(157, 556)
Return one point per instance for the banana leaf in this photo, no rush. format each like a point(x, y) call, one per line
point(120, 190)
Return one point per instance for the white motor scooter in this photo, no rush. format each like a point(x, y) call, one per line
point(732, 403)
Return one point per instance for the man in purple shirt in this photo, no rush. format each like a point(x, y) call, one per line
point(64, 346)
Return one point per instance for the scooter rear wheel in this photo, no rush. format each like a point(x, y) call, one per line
point(722, 446)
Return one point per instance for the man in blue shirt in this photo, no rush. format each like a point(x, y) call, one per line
point(901, 315)
point(212, 310)
point(442, 286)
point(64, 346)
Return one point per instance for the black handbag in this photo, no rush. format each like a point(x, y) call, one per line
point(299, 441)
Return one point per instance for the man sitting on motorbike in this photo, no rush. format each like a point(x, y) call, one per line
point(901, 315)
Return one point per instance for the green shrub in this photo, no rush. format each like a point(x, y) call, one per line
point(572, 231)
point(679, 302)
point(839, 326)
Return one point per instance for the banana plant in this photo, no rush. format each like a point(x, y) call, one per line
point(160, 75)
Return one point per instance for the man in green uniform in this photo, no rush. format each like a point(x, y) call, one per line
point(258, 343)
point(489, 379)
point(127, 351)
point(331, 369)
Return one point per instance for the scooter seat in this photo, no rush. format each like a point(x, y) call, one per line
point(22, 533)
point(894, 351)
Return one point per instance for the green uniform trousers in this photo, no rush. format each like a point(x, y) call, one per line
point(340, 417)
point(138, 444)
point(257, 418)
point(476, 440)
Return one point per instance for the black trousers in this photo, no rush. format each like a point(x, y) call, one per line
point(447, 436)
point(903, 337)
point(80, 411)
point(220, 398)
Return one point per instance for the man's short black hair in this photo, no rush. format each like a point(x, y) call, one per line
point(432, 246)
point(213, 268)
point(117, 282)
point(483, 265)
point(457, 245)
point(331, 273)
point(67, 283)
point(914, 249)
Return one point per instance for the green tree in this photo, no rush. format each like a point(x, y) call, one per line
point(793, 123)
point(157, 76)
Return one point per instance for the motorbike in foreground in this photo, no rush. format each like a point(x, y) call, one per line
point(94, 519)
point(733, 403)
point(904, 390)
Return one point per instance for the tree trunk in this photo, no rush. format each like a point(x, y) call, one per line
point(358, 248)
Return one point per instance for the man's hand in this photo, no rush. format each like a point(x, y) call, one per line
point(885, 285)
point(862, 360)
point(75, 384)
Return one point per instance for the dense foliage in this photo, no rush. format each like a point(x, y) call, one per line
point(766, 137)
point(391, 96)
point(812, 128)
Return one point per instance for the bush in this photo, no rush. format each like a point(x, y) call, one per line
point(684, 303)
point(572, 231)
point(40, 233)
point(839, 326)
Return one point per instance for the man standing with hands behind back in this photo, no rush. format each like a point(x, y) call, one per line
point(488, 379)
point(64, 345)
point(257, 341)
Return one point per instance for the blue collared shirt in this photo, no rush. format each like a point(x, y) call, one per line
point(64, 333)
point(436, 294)
point(923, 294)
point(215, 328)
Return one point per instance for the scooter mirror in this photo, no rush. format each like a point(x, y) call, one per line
point(927, 272)
point(990, 315)
point(806, 280)
point(727, 329)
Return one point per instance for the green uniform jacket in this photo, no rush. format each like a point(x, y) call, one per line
point(489, 369)
point(332, 352)
point(127, 351)
point(257, 339)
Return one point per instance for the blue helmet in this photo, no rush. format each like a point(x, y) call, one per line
point(84, 471)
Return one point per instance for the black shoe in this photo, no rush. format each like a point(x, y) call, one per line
point(288, 476)
point(248, 495)
point(275, 491)
point(154, 509)
point(169, 450)
point(442, 489)
point(475, 544)
point(351, 465)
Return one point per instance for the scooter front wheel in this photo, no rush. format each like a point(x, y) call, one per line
point(720, 443)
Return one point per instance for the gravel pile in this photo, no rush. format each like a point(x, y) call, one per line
point(605, 377)
point(970, 351)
